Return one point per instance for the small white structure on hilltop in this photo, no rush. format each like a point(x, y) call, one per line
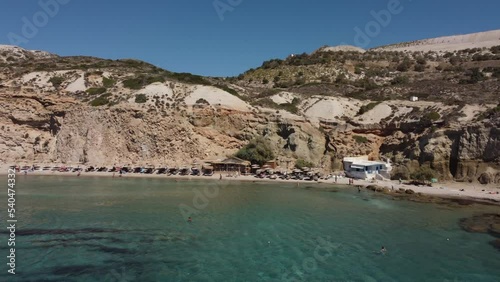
point(414, 98)
point(362, 168)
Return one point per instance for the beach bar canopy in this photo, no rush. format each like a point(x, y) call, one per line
point(232, 164)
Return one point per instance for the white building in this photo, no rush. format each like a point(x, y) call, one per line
point(362, 168)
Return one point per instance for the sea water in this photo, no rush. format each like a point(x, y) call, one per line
point(131, 229)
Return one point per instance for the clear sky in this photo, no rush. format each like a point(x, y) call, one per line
point(195, 36)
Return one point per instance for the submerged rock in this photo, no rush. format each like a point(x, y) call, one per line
point(486, 223)
point(496, 244)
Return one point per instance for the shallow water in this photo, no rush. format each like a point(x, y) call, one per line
point(103, 229)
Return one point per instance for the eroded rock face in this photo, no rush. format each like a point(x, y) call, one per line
point(466, 154)
point(74, 133)
point(43, 122)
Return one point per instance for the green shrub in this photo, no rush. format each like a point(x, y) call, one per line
point(368, 107)
point(56, 81)
point(228, 90)
point(400, 80)
point(423, 174)
point(405, 65)
point(269, 103)
point(96, 91)
point(272, 64)
point(202, 101)
point(421, 61)
point(432, 116)
point(455, 60)
point(268, 92)
point(141, 98)
point(419, 68)
point(495, 49)
point(141, 81)
point(133, 83)
point(101, 100)
point(258, 151)
point(475, 76)
point(108, 82)
point(189, 78)
point(496, 73)
point(360, 139)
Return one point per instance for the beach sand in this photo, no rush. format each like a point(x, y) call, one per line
point(443, 189)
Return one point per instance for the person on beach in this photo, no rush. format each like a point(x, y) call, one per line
point(220, 176)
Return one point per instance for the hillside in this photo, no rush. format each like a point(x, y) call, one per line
point(480, 40)
point(316, 108)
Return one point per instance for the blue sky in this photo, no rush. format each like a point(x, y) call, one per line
point(191, 36)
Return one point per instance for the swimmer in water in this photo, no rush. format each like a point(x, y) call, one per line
point(383, 250)
point(190, 219)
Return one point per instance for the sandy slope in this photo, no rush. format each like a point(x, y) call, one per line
point(217, 97)
point(77, 85)
point(485, 39)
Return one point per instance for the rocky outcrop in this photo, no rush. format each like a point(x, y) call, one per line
point(486, 223)
point(181, 118)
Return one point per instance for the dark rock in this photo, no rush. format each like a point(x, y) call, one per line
point(485, 178)
point(496, 244)
point(486, 223)
point(410, 192)
point(495, 229)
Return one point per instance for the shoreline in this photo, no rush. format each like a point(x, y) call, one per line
point(447, 190)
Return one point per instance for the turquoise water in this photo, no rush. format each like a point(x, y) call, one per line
point(100, 229)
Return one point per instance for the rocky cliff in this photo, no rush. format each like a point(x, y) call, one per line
point(318, 108)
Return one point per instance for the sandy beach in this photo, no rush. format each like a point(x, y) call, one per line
point(464, 190)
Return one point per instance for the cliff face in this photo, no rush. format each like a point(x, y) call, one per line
point(129, 112)
point(478, 154)
point(126, 134)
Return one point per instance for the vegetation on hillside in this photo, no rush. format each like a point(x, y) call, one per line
point(258, 151)
point(101, 100)
point(141, 98)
